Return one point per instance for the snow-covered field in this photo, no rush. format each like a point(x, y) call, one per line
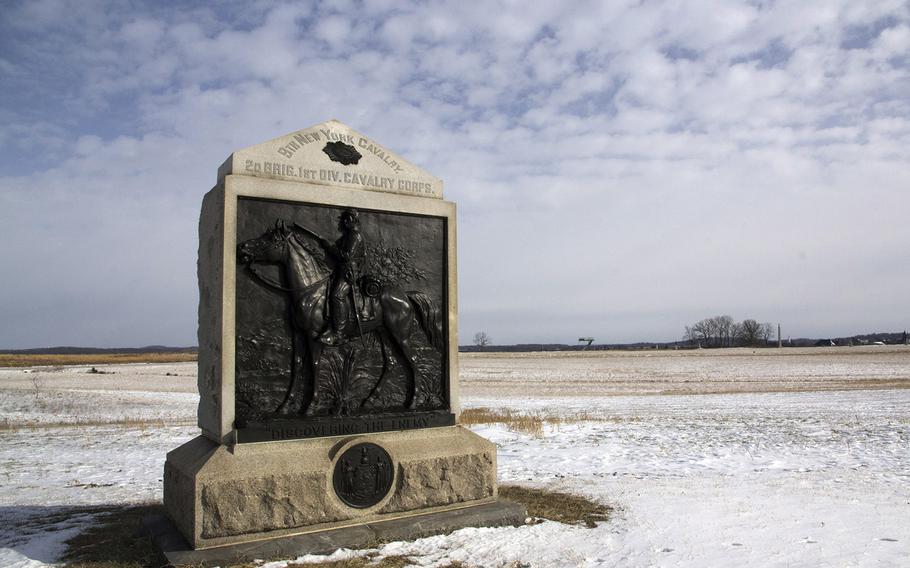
point(599, 373)
point(775, 471)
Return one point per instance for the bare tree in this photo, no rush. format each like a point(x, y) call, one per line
point(736, 335)
point(693, 335)
point(755, 333)
point(701, 333)
point(716, 331)
point(481, 339)
point(723, 329)
point(750, 332)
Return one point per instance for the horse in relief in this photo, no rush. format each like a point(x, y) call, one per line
point(308, 286)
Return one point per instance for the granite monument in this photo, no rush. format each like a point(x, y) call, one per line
point(328, 374)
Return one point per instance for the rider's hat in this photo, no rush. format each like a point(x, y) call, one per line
point(350, 213)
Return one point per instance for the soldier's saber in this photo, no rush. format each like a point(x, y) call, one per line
point(357, 316)
point(307, 231)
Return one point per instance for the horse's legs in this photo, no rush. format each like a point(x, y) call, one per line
point(404, 344)
point(400, 330)
point(387, 358)
point(293, 398)
point(398, 319)
point(315, 353)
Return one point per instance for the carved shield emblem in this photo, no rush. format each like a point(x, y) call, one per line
point(342, 153)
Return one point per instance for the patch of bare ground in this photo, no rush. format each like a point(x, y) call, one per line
point(7, 425)
point(29, 360)
point(118, 540)
point(385, 562)
point(722, 352)
point(370, 560)
point(556, 506)
point(527, 422)
point(834, 385)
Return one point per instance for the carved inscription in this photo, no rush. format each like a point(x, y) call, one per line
point(317, 429)
point(301, 139)
point(368, 181)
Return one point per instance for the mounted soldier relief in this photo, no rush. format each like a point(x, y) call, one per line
point(350, 308)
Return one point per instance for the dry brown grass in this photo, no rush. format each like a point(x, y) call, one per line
point(118, 541)
point(369, 561)
point(556, 506)
point(521, 422)
point(527, 422)
point(29, 360)
point(8, 426)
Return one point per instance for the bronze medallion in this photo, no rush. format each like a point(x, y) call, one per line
point(363, 475)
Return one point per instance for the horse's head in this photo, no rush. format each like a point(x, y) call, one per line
point(272, 246)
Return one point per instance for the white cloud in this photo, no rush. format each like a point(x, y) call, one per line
point(143, 33)
point(333, 29)
point(893, 42)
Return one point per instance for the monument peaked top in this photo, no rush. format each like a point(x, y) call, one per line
point(333, 154)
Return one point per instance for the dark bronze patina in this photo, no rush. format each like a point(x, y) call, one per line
point(342, 153)
point(363, 475)
point(338, 336)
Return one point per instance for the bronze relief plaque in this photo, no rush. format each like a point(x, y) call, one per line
point(340, 321)
point(363, 475)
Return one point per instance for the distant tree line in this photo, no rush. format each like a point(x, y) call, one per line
point(724, 331)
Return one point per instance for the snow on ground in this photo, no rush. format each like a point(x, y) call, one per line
point(144, 377)
point(600, 373)
point(48, 476)
point(144, 393)
point(746, 479)
point(21, 408)
point(782, 479)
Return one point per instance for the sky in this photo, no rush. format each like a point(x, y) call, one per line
point(621, 169)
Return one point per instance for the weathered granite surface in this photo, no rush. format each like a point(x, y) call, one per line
point(174, 547)
point(268, 503)
point(301, 157)
point(444, 480)
point(210, 273)
point(220, 494)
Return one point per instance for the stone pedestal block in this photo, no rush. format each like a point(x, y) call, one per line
point(219, 495)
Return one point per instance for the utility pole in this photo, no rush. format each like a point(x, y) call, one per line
point(779, 344)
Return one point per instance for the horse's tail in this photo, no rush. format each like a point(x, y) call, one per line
point(429, 317)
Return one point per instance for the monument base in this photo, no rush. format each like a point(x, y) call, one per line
point(178, 553)
point(220, 495)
